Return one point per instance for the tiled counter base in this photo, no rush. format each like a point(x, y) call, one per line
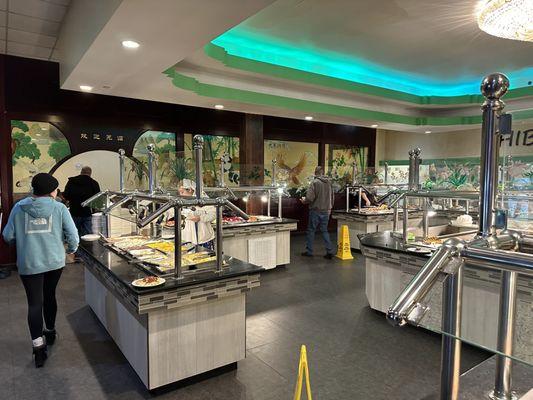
point(388, 271)
point(178, 331)
point(267, 244)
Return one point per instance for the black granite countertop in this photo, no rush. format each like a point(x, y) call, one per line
point(110, 262)
point(260, 223)
point(385, 241)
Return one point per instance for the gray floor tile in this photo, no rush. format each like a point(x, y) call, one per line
point(353, 352)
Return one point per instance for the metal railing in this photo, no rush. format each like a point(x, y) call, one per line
point(498, 252)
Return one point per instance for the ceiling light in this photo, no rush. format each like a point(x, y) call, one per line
point(509, 19)
point(219, 106)
point(374, 125)
point(130, 44)
point(426, 132)
point(308, 117)
point(86, 88)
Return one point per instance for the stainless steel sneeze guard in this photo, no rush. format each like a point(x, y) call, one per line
point(163, 203)
point(489, 249)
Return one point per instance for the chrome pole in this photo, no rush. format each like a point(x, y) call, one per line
point(121, 156)
point(280, 198)
point(451, 327)
point(359, 194)
point(221, 180)
point(506, 326)
point(274, 172)
point(405, 219)
point(425, 218)
point(198, 145)
point(151, 177)
point(177, 243)
point(395, 218)
point(347, 198)
point(493, 87)
point(107, 216)
point(268, 203)
point(414, 166)
point(219, 249)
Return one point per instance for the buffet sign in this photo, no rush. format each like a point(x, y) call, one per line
point(518, 138)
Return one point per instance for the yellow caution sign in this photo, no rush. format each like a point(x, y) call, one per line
point(303, 367)
point(344, 251)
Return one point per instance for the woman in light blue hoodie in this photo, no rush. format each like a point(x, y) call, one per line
point(39, 226)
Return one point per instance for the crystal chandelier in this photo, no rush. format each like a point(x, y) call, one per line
point(509, 19)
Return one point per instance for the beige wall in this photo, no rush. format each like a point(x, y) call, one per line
point(394, 145)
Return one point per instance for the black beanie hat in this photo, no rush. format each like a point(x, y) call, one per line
point(44, 184)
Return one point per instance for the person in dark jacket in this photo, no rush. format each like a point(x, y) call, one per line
point(78, 189)
point(320, 199)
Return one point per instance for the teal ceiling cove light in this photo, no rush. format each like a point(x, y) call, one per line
point(242, 43)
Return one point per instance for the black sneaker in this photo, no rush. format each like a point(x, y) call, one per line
point(328, 256)
point(50, 336)
point(40, 355)
point(307, 254)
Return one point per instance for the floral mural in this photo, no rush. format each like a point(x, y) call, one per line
point(220, 152)
point(37, 147)
point(340, 160)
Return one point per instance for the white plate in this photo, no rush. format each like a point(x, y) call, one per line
point(90, 237)
point(140, 284)
point(419, 250)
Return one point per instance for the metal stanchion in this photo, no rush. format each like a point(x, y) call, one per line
point(451, 344)
point(219, 249)
point(177, 243)
point(506, 325)
point(347, 198)
point(268, 203)
point(359, 194)
point(405, 219)
point(121, 156)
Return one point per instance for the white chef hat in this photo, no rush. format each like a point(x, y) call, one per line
point(189, 184)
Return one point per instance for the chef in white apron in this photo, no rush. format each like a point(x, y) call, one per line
point(198, 228)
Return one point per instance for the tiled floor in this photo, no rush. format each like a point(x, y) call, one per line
point(353, 352)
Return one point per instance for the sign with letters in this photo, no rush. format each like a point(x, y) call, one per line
point(517, 138)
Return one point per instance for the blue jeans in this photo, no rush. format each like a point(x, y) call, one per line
point(84, 225)
point(318, 219)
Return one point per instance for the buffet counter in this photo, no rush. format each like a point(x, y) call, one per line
point(368, 222)
point(174, 331)
point(266, 243)
point(390, 267)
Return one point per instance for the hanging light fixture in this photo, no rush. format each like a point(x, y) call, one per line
point(509, 19)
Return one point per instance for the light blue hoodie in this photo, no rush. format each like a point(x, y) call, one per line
point(39, 226)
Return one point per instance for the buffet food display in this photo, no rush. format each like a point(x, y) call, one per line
point(157, 255)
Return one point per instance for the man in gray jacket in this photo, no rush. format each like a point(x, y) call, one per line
point(320, 200)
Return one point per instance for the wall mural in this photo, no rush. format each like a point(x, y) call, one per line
point(37, 147)
point(167, 175)
point(217, 150)
point(339, 162)
point(296, 162)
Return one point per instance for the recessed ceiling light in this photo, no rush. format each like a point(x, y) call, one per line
point(374, 125)
point(86, 88)
point(308, 117)
point(427, 132)
point(219, 106)
point(130, 44)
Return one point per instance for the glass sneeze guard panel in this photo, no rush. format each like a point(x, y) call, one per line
point(480, 305)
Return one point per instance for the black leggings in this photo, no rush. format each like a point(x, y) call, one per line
point(41, 294)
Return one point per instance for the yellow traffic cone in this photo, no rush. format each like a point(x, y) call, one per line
point(344, 251)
